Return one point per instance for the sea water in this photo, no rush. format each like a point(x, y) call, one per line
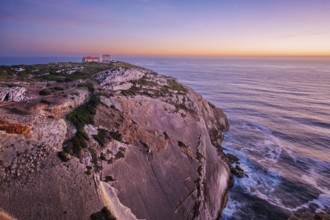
point(36, 60)
point(279, 115)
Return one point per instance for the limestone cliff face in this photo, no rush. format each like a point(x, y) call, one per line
point(138, 143)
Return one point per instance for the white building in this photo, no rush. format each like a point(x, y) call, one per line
point(106, 58)
point(19, 69)
point(91, 59)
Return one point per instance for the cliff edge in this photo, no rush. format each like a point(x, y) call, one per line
point(113, 142)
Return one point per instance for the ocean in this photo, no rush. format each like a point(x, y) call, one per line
point(279, 115)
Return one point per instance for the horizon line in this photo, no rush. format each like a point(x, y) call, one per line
point(159, 55)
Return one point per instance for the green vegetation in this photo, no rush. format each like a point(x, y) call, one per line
point(144, 82)
point(58, 88)
point(77, 143)
point(78, 75)
point(131, 91)
point(104, 135)
point(116, 136)
point(63, 156)
point(81, 116)
point(43, 101)
point(101, 137)
point(117, 64)
point(8, 72)
point(88, 171)
point(102, 156)
point(109, 179)
point(119, 155)
point(44, 92)
point(57, 71)
point(184, 107)
point(104, 214)
point(84, 114)
point(51, 77)
point(89, 86)
point(174, 85)
point(4, 75)
point(94, 156)
point(147, 87)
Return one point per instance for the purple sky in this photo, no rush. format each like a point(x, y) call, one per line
point(149, 27)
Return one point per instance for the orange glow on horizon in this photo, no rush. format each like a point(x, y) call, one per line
point(196, 52)
point(222, 28)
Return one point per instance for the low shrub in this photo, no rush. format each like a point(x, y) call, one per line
point(79, 117)
point(104, 214)
point(58, 88)
point(101, 136)
point(88, 171)
point(131, 91)
point(174, 85)
point(116, 136)
point(63, 156)
point(43, 101)
point(109, 179)
point(77, 143)
point(84, 114)
point(44, 92)
point(120, 154)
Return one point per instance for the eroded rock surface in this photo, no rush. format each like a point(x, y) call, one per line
point(140, 144)
point(12, 94)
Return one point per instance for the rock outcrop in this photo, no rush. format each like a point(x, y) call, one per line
point(133, 144)
point(12, 94)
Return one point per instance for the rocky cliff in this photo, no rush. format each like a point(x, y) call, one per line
point(124, 143)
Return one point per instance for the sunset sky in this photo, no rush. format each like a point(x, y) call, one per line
point(173, 27)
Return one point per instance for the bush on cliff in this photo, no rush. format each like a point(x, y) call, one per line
point(84, 114)
point(101, 137)
point(174, 85)
point(104, 214)
point(44, 92)
point(81, 116)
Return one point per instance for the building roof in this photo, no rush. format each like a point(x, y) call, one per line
point(90, 58)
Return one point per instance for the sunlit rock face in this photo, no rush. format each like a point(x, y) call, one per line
point(138, 143)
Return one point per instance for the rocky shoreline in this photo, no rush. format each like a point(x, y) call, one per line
point(110, 141)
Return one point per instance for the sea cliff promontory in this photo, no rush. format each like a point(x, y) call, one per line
point(108, 141)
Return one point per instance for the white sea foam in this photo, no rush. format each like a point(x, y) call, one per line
point(231, 208)
point(262, 185)
point(270, 146)
point(258, 183)
point(322, 202)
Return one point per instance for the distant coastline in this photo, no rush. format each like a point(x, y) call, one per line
point(25, 60)
point(7, 61)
